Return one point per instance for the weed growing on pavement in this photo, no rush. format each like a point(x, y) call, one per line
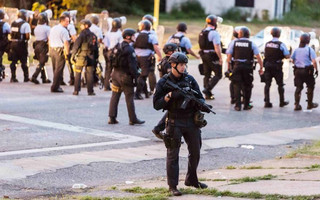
point(208, 179)
point(252, 179)
point(252, 167)
point(231, 167)
point(312, 150)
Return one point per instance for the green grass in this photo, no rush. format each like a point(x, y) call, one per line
point(311, 150)
point(231, 167)
point(252, 167)
point(252, 179)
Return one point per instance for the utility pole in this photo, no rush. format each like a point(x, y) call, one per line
point(156, 13)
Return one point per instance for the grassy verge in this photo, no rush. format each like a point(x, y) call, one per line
point(310, 150)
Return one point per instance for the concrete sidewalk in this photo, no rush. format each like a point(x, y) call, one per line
point(289, 177)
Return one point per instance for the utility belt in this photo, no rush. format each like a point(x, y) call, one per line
point(17, 40)
point(208, 51)
point(308, 68)
point(180, 115)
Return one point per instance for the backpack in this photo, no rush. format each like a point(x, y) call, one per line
point(177, 40)
point(93, 44)
point(116, 56)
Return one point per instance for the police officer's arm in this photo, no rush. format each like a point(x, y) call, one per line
point(76, 45)
point(161, 97)
point(188, 47)
point(157, 50)
point(217, 49)
point(256, 52)
point(27, 36)
point(229, 60)
point(192, 53)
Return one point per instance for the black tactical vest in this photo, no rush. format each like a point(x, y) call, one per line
point(89, 45)
point(15, 30)
point(142, 41)
point(2, 36)
point(177, 40)
point(204, 42)
point(242, 50)
point(273, 52)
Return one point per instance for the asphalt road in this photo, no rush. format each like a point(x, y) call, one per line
point(49, 141)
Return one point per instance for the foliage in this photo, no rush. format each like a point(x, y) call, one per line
point(188, 10)
point(234, 14)
point(83, 6)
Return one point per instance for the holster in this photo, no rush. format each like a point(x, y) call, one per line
point(169, 141)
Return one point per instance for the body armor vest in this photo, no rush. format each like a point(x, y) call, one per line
point(15, 31)
point(204, 42)
point(142, 41)
point(273, 52)
point(242, 50)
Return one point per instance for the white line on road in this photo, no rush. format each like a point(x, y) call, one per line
point(120, 138)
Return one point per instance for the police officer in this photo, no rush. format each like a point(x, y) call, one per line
point(305, 71)
point(83, 55)
point(94, 28)
point(111, 39)
point(164, 68)
point(242, 52)
point(4, 42)
point(41, 48)
point(20, 34)
point(59, 50)
point(183, 42)
point(231, 65)
point(210, 45)
point(151, 76)
point(124, 79)
point(275, 51)
point(180, 122)
point(73, 36)
point(144, 45)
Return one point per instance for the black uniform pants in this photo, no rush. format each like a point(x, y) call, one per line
point(41, 54)
point(211, 64)
point(108, 70)
point(19, 51)
point(122, 82)
point(152, 76)
point(145, 64)
point(273, 71)
point(301, 76)
point(89, 78)
point(162, 123)
point(1, 54)
point(192, 137)
point(242, 78)
point(58, 62)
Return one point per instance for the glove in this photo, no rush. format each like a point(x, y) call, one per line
point(175, 94)
point(316, 74)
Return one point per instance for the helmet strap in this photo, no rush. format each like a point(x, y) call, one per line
point(175, 67)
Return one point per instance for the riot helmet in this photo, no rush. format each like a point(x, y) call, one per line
point(145, 25)
point(2, 14)
point(94, 19)
point(169, 47)
point(43, 18)
point(178, 57)
point(148, 17)
point(182, 27)
point(86, 22)
point(116, 24)
point(128, 32)
point(22, 14)
point(304, 39)
point(212, 20)
point(236, 31)
point(276, 32)
point(244, 32)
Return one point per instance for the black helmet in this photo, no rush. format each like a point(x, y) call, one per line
point(244, 32)
point(145, 25)
point(212, 20)
point(22, 14)
point(236, 31)
point(276, 32)
point(94, 19)
point(178, 57)
point(128, 32)
point(148, 17)
point(116, 23)
point(169, 47)
point(182, 27)
point(86, 22)
point(43, 18)
point(2, 14)
point(305, 38)
point(66, 13)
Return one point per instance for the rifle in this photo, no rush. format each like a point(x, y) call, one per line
point(99, 71)
point(188, 95)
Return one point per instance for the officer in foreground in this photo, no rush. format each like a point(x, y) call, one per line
point(183, 42)
point(180, 122)
point(275, 51)
point(59, 51)
point(242, 51)
point(41, 48)
point(305, 71)
point(4, 42)
point(20, 34)
point(210, 45)
point(83, 55)
point(110, 41)
point(124, 79)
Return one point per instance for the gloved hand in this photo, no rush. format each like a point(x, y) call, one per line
point(175, 94)
point(316, 74)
